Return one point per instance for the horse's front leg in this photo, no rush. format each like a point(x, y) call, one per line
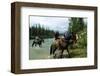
point(68, 53)
point(61, 55)
point(40, 45)
point(32, 44)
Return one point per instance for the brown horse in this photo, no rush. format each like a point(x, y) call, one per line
point(61, 44)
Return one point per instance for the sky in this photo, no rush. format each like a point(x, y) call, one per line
point(53, 23)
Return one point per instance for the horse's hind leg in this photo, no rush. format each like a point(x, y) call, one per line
point(68, 53)
point(35, 44)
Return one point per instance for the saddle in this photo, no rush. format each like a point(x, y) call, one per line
point(61, 42)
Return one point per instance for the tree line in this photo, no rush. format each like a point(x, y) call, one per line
point(79, 26)
point(40, 31)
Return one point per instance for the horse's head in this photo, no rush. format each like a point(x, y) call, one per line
point(74, 37)
point(41, 40)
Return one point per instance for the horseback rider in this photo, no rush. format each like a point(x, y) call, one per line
point(37, 39)
point(68, 36)
point(57, 35)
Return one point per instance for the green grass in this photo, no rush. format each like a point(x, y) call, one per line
point(78, 53)
point(40, 52)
